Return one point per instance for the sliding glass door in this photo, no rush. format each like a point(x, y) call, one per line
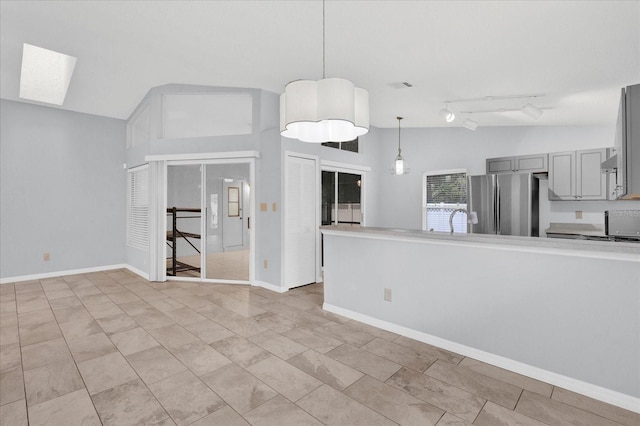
point(346, 189)
point(208, 221)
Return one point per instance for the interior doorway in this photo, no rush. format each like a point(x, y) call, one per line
point(208, 223)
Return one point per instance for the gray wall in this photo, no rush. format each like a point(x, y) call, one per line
point(63, 190)
point(561, 310)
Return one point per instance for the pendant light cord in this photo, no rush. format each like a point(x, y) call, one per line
point(323, 44)
point(399, 149)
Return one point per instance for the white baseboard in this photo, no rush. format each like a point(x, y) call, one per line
point(609, 396)
point(63, 273)
point(269, 286)
point(137, 271)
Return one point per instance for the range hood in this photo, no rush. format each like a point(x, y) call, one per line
point(623, 165)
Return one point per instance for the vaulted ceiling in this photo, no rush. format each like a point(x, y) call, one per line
point(578, 54)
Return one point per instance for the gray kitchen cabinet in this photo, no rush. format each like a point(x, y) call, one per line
point(577, 176)
point(520, 164)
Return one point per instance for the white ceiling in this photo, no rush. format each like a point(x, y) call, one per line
point(578, 53)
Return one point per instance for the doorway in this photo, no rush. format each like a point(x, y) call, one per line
point(341, 198)
point(209, 207)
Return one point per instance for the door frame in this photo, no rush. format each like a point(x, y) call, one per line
point(318, 201)
point(158, 207)
point(336, 167)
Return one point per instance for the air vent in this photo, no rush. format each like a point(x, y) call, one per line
point(400, 85)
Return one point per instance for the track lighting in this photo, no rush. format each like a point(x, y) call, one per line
point(470, 124)
point(448, 115)
point(532, 111)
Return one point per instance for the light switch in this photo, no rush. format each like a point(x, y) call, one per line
point(263, 207)
point(274, 207)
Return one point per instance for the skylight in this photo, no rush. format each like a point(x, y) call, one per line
point(45, 74)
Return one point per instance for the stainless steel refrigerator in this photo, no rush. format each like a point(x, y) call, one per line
point(506, 204)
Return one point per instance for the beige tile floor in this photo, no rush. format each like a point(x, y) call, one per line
point(111, 348)
point(229, 265)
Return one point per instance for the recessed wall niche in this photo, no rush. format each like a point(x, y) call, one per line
point(193, 115)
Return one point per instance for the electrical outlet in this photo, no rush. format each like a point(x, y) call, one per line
point(266, 264)
point(578, 214)
point(46, 257)
point(387, 294)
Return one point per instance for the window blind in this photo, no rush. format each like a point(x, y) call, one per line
point(138, 209)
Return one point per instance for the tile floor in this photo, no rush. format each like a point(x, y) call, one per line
point(111, 348)
point(228, 265)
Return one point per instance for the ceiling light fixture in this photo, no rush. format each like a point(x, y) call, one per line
point(532, 111)
point(447, 114)
point(495, 98)
point(327, 110)
point(470, 124)
point(399, 166)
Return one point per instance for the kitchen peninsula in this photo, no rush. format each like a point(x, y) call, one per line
point(563, 311)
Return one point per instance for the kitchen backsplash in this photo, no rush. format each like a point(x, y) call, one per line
point(565, 211)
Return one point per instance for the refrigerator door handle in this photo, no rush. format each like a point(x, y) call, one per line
point(497, 209)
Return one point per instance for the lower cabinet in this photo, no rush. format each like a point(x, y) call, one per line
point(576, 175)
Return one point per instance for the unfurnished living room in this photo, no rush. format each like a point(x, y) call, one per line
point(320, 212)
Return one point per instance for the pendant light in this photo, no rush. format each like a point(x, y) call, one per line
point(327, 110)
point(399, 166)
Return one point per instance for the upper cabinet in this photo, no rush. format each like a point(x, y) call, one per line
point(577, 176)
point(520, 164)
point(624, 166)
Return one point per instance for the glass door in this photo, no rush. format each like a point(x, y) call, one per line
point(228, 224)
point(184, 221)
point(346, 189)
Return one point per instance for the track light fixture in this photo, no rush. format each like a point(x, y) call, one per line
point(447, 114)
point(532, 111)
point(470, 124)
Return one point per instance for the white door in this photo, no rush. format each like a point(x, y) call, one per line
point(300, 221)
point(232, 219)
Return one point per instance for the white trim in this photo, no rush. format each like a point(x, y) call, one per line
point(268, 286)
point(217, 159)
point(335, 166)
point(138, 167)
point(444, 172)
point(54, 274)
point(608, 396)
point(208, 280)
point(424, 189)
point(202, 156)
point(137, 271)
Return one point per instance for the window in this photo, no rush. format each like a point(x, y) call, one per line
point(443, 192)
point(138, 208)
point(345, 146)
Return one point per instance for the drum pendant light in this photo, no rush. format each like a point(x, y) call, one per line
point(327, 110)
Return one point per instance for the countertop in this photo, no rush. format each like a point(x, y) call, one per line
point(609, 249)
point(576, 229)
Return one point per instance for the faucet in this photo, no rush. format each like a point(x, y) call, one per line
point(453, 213)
